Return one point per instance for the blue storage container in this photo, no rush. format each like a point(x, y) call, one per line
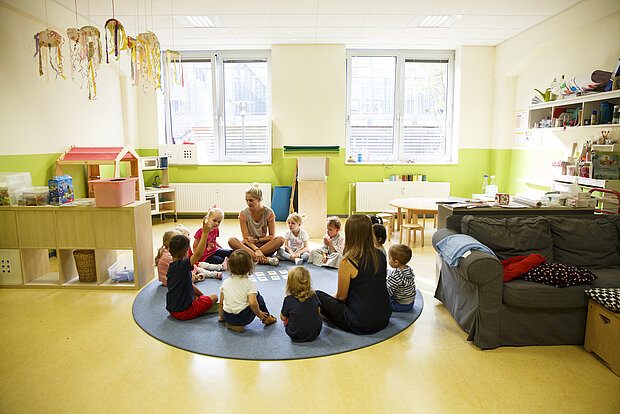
point(280, 201)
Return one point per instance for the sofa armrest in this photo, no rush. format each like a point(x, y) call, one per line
point(440, 235)
point(481, 268)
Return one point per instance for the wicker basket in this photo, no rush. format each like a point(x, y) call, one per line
point(85, 264)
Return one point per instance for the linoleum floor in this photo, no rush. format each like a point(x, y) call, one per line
point(80, 351)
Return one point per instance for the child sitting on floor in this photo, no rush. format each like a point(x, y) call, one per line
point(301, 307)
point(214, 257)
point(200, 273)
point(240, 301)
point(295, 246)
point(333, 246)
point(380, 236)
point(164, 258)
point(401, 281)
point(184, 300)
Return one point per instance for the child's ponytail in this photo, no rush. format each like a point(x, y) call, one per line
point(168, 235)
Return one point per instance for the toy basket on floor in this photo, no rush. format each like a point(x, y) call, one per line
point(85, 264)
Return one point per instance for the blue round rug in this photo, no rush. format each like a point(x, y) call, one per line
point(204, 335)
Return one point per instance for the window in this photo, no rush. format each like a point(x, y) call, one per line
point(222, 104)
point(399, 106)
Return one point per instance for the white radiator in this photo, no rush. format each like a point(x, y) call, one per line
point(375, 196)
point(200, 197)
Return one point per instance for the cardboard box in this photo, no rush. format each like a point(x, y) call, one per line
point(61, 189)
point(603, 335)
point(606, 166)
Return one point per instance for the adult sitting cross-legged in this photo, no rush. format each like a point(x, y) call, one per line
point(258, 229)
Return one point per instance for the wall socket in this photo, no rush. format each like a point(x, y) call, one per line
point(10, 267)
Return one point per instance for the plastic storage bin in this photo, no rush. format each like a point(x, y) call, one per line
point(36, 196)
point(114, 192)
point(12, 185)
point(122, 270)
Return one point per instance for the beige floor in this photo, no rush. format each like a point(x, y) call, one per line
point(81, 352)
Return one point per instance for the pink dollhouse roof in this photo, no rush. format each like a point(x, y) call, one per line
point(96, 153)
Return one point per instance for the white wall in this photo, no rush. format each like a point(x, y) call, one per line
point(474, 106)
point(575, 42)
point(47, 115)
point(308, 94)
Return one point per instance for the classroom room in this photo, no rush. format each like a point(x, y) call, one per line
point(482, 136)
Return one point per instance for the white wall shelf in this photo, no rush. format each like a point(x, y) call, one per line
point(589, 103)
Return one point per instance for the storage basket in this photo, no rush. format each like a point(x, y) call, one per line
point(85, 264)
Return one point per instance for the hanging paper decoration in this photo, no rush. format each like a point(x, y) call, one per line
point(48, 39)
point(174, 67)
point(86, 55)
point(148, 52)
point(132, 47)
point(118, 39)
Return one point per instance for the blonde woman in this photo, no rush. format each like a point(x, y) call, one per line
point(258, 229)
point(361, 304)
point(300, 310)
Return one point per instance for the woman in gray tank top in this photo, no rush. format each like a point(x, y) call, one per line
point(258, 229)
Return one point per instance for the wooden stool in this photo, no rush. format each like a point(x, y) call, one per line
point(412, 227)
point(388, 222)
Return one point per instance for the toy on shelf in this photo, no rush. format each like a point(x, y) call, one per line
point(94, 157)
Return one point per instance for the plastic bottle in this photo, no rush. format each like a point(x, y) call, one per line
point(555, 89)
point(485, 182)
point(593, 119)
point(492, 180)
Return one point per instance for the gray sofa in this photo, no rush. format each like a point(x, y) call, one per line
point(518, 312)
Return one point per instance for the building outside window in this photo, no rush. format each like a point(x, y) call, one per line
point(399, 107)
point(222, 104)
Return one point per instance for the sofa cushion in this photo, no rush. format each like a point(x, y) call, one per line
point(519, 293)
point(592, 243)
point(509, 237)
point(559, 275)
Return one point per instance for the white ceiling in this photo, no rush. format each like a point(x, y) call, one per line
point(356, 23)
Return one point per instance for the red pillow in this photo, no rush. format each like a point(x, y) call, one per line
point(516, 266)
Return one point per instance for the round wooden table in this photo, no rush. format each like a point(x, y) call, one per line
point(413, 207)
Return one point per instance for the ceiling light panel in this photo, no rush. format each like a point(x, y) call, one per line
point(440, 20)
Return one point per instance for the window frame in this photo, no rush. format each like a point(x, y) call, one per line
point(450, 155)
point(217, 59)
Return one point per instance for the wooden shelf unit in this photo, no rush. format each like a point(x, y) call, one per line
point(162, 199)
point(31, 233)
point(589, 103)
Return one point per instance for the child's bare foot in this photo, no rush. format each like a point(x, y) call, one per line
point(225, 264)
point(220, 320)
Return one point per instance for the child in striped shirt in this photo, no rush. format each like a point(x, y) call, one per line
point(401, 281)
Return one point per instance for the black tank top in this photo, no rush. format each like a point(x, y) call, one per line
point(367, 307)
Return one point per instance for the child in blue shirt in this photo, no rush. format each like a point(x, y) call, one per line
point(401, 281)
point(184, 300)
point(300, 310)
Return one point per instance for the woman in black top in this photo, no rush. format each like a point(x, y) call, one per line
point(361, 304)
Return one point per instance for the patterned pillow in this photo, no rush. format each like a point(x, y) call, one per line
point(558, 275)
point(608, 297)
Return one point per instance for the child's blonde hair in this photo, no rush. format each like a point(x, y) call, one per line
point(334, 221)
point(214, 210)
point(299, 283)
point(165, 242)
point(183, 230)
point(255, 191)
point(240, 263)
point(296, 217)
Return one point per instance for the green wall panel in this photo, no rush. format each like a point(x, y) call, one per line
point(465, 177)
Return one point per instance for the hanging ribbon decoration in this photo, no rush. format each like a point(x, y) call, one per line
point(148, 58)
point(174, 67)
point(49, 39)
point(132, 47)
point(118, 39)
point(86, 55)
